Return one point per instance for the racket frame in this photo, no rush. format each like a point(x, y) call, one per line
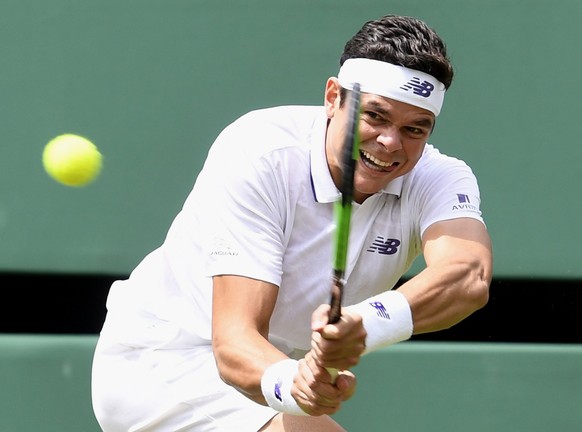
point(343, 207)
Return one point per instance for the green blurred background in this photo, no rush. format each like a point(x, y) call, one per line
point(152, 82)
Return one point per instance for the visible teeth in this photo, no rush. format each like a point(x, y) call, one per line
point(376, 160)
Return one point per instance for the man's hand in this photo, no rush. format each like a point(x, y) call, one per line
point(338, 345)
point(314, 390)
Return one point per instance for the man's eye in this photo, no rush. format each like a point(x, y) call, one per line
point(416, 131)
point(371, 115)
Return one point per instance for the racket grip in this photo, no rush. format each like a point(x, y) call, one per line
point(334, 373)
point(335, 303)
point(335, 312)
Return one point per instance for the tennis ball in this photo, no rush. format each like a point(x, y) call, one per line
point(72, 160)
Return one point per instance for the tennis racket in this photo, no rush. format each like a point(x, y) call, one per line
point(343, 208)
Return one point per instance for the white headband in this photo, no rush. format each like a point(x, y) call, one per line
point(395, 82)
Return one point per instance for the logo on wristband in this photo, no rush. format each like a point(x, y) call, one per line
point(278, 392)
point(380, 309)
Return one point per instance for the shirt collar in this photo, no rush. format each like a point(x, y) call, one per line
point(324, 189)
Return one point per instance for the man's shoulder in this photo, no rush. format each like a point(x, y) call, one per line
point(436, 168)
point(276, 133)
point(433, 159)
point(282, 113)
point(279, 127)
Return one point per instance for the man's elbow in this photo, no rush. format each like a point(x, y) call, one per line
point(480, 295)
point(478, 290)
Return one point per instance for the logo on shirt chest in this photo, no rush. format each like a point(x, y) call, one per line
point(384, 246)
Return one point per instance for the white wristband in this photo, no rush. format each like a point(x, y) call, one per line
point(387, 319)
point(276, 386)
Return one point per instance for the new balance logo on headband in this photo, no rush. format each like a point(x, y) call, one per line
point(410, 86)
point(423, 88)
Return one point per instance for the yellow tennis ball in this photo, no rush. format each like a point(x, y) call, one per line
point(72, 160)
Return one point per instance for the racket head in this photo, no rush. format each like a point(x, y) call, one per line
point(343, 208)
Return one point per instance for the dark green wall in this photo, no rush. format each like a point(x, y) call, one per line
point(152, 82)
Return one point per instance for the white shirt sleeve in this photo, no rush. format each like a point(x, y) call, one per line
point(445, 188)
point(244, 233)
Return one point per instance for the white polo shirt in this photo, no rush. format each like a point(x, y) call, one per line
point(262, 207)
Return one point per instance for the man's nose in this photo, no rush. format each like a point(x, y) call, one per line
point(390, 138)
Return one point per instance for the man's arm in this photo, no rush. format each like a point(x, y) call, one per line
point(242, 308)
point(455, 283)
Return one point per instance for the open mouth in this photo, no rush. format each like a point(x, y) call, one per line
point(375, 163)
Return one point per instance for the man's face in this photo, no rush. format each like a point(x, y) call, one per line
point(392, 138)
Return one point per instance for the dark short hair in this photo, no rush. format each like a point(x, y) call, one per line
point(403, 41)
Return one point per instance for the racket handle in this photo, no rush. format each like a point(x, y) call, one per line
point(335, 302)
point(334, 373)
point(335, 309)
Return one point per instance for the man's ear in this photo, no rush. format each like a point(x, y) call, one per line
point(332, 96)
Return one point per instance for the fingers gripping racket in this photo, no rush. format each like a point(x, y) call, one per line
point(343, 208)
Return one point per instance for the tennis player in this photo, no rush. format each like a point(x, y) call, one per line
point(223, 327)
